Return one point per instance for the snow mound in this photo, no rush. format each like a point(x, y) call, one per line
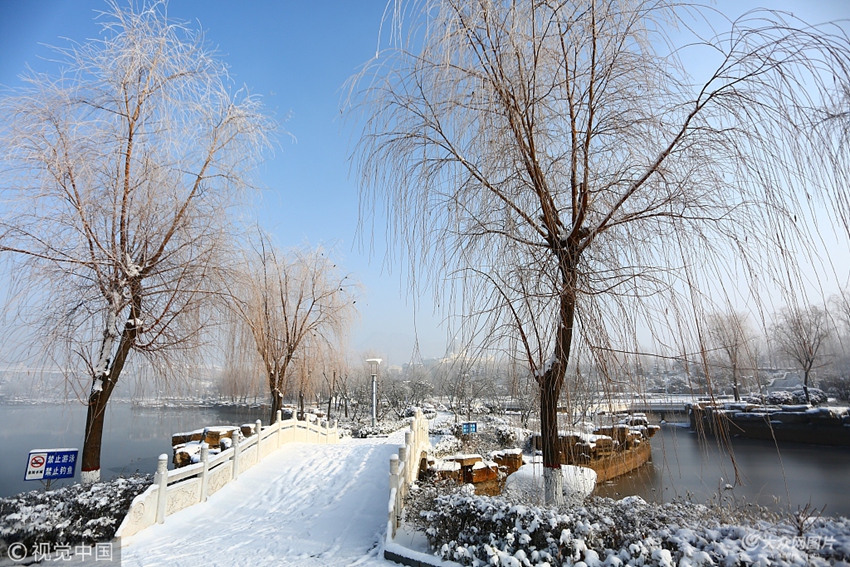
point(526, 484)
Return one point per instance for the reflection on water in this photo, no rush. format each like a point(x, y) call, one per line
point(133, 437)
point(790, 475)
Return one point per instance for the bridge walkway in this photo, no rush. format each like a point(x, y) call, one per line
point(306, 505)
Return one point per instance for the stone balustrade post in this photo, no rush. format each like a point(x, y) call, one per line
point(279, 423)
point(410, 453)
point(394, 484)
point(161, 480)
point(237, 437)
point(205, 456)
point(258, 429)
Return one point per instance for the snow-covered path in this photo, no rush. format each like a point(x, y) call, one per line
point(303, 505)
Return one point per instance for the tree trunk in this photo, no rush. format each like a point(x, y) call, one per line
point(806, 386)
point(549, 395)
point(277, 403)
point(331, 396)
point(550, 383)
point(735, 383)
point(93, 441)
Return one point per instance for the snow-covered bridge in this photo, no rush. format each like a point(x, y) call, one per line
point(304, 504)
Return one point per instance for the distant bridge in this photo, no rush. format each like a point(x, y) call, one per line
point(661, 405)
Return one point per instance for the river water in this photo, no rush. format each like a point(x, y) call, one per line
point(133, 436)
point(783, 478)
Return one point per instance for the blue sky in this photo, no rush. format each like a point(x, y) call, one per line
point(298, 55)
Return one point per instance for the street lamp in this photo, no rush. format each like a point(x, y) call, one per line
point(374, 362)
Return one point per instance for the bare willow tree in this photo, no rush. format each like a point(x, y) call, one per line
point(730, 334)
point(839, 304)
point(800, 332)
point(554, 167)
point(242, 376)
point(119, 174)
point(297, 306)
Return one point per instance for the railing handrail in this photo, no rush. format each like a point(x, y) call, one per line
point(221, 458)
point(183, 473)
point(403, 469)
point(152, 505)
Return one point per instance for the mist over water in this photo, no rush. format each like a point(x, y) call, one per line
point(780, 477)
point(133, 436)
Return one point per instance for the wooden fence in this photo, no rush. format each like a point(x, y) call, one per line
point(177, 489)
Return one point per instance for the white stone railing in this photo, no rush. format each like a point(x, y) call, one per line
point(404, 468)
point(177, 489)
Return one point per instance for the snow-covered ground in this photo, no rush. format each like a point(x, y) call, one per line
point(302, 505)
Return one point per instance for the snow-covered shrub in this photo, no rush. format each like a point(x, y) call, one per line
point(481, 530)
point(343, 432)
point(70, 515)
point(790, 398)
point(442, 428)
point(446, 445)
point(428, 413)
point(816, 396)
point(507, 436)
point(474, 530)
point(384, 427)
point(781, 398)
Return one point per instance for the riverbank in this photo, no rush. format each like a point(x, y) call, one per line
point(795, 423)
point(146, 403)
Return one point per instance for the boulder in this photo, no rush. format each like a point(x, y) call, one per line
point(211, 435)
point(483, 471)
point(464, 460)
point(186, 454)
point(180, 438)
point(511, 459)
point(446, 470)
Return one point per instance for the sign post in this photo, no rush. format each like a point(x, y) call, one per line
point(51, 464)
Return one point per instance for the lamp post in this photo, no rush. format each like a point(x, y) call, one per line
point(374, 362)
